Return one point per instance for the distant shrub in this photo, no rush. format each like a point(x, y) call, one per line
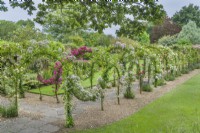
point(96, 39)
point(127, 41)
point(185, 71)
point(77, 40)
point(168, 40)
point(70, 45)
point(129, 95)
point(177, 74)
point(184, 41)
point(56, 46)
point(90, 38)
point(30, 81)
point(147, 87)
point(144, 38)
point(189, 32)
point(103, 40)
point(2, 87)
point(161, 82)
point(169, 77)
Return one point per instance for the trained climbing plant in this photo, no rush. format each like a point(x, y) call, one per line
point(73, 87)
point(56, 79)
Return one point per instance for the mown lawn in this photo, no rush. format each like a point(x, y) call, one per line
point(48, 90)
point(176, 112)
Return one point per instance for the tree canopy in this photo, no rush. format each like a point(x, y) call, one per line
point(187, 13)
point(190, 32)
point(6, 28)
point(2, 6)
point(98, 15)
point(167, 28)
point(19, 31)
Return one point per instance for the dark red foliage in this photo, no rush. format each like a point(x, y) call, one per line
point(167, 28)
point(56, 78)
point(79, 53)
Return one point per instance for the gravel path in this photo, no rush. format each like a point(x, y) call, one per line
point(48, 117)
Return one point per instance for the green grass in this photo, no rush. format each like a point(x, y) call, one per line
point(48, 90)
point(176, 112)
point(8, 111)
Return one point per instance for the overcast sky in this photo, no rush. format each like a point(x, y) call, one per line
point(170, 6)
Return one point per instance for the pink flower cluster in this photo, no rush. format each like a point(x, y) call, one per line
point(56, 78)
point(80, 51)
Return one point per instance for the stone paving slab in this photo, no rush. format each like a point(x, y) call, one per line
point(22, 120)
point(27, 125)
point(16, 128)
point(50, 128)
point(36, 123)
point(5, 130)
point(30, 130)
point(44, 132)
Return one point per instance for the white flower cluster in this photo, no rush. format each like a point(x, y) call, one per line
point(137, 62)
point(128, 77)
point(19, 70)
point(158, 76)
point(33, 41)
point(100, 80)
point(30, 49)
point(59, 50)
point(120, 45)
point(44, 43)
point(122, 80)
point(131, 48)
point(73, 86)
point(121, 66)
point(127, 80)
point(101, 83)
point(71, 57)
point(132, 53)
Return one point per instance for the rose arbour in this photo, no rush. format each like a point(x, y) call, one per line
point(124, 60)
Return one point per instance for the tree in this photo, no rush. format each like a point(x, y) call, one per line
point(187, 13)
point(143, 38)
point(28, 5)
point(167, 28)
point(6, 28)
point(19, 31)
point(53, 22)
point(2, 6)
point(99, 15)
point(190, 32)
point(27, 33)
point(168, 40)
point(24, 23)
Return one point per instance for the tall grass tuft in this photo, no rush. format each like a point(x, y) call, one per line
point(10, 111)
